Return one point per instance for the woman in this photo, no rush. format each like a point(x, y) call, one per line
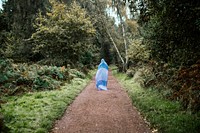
point(102, 76)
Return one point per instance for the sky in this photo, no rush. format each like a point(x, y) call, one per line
point(112, 13)
point(0, 4)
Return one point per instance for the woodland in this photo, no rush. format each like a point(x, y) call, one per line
point(45, 43)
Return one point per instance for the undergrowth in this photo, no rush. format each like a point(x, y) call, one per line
point(164, 115)
point(17, 79)
point(36, 112)
point(180, 83)
point(44, 94)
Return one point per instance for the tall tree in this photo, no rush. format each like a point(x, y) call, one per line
point(118, 5)
point(96, 9)
point(106, 28)
point(3, 29)
point(21, 14)
point(173, 31)
point(105, 25)
point(64, 33)
point(172, 34)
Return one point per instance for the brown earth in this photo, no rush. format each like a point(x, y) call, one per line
point(96, 111)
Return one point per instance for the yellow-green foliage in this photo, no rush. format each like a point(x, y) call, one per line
point(64, 32)
point(138, 51)
point(13, 47)
point(133, 27)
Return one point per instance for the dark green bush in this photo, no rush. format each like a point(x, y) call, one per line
point(20, 78)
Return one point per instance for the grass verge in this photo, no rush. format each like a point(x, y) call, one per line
point(36, 112)
point(165, 116)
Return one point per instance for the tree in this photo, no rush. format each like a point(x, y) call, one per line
point(19, 17)
point(105, 26)
point(3, 29)
point(96, 10)
point(119, 13)
point(172, 35)
point(165, 27)
point(64, 33)
point(21, 14)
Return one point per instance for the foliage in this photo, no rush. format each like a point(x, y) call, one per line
point(64, 33)
point(141, 73)
point(16, 19)
point(164, 116)
point(20, 78)
point(20, 15)
point(132, 26)
point(15, 48)
point(104, 25)
point(167, 31)
point(96, 9)
point(3, 29)
point(173, 50)
point(75, 73)
point(175, 84)
point(36, 112)
point(187, 87)
point(137, 51)
point(3, 128)
point(3, 21)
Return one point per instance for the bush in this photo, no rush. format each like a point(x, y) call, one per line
point(137, 51)
point(165, 116)
point(187, 87)
point(176, 84)
point(63, 33)
point(19, 78)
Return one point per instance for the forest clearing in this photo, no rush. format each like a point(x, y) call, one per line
point(50, 51)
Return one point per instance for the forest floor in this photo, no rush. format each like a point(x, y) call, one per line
point(96, 111)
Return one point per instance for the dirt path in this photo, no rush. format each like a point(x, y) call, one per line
point(101, 112)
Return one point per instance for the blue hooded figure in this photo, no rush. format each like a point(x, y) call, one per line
point(102, 76)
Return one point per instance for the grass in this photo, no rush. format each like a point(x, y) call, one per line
point(164, 115)
point(36, 112)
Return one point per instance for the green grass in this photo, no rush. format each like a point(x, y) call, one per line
point(36, 112)
point(164, 115)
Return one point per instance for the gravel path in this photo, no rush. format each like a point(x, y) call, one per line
point(96, 111)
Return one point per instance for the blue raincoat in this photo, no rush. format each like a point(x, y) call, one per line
point(102, 76)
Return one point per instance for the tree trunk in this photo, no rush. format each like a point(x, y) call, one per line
point(110, 37)
point(124, 35)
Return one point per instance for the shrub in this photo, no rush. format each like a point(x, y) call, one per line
point(187, 87)
point(19, 78)
point(64, 33)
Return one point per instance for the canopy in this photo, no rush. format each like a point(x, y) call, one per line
point(102, 76)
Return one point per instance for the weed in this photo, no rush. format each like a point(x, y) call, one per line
point(167, 116)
